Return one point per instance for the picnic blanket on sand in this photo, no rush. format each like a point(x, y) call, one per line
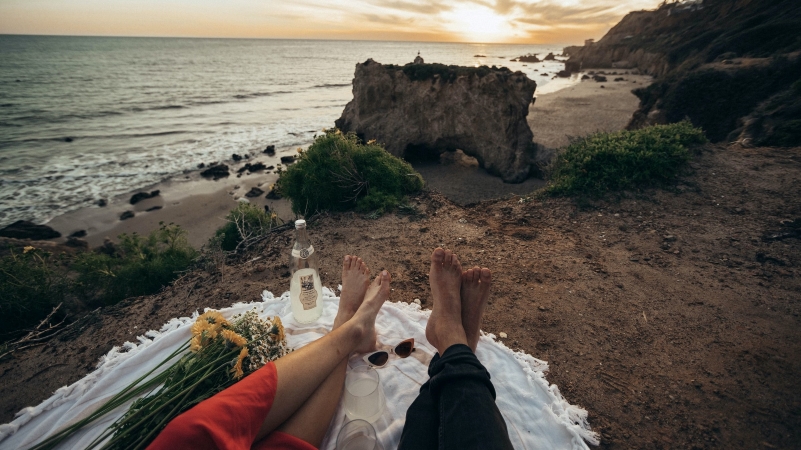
point(537, 415)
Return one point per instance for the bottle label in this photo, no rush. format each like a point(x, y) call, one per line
point(303, 253)
point(308, 295)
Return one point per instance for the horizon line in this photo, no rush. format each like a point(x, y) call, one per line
point(267, 38)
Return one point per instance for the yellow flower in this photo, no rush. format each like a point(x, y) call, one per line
point(199, 327)
point(28, 248)
point(371, 142)
point(279, 334)
point(196, 343)
point(232, 337)
point(214, 317)
point(237, 369)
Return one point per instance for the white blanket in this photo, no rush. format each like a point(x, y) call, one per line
point(537, 415)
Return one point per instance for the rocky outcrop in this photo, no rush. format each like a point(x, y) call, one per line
point(423, 110)
point(22, 229)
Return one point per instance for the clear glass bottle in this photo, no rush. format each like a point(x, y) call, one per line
point(305, 289)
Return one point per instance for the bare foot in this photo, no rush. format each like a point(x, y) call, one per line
point(355, 279)
point(445, 324)
point(377, 293)
point(475, 293)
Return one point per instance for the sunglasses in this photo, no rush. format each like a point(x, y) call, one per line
point(380, 358)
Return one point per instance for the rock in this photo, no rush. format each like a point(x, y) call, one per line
point(418, 59)
point(530, 58)
point(270, 150)
point(68, 139)
point(417, 301)
point(23, 229)
point(216, 172)
point(78, 234)
point(503, 335)
point(549, 57)
point(424, 110)
point(254, 192)
point(563, 74)
point(287, 159)
point(585, 77)
point(108, 248)
point(236, 157)
point(599, 78)
point(273, 194)
point(139, 196)
point(267, 209)
point(201, 165)
point(126, 215)
point(153, 208)
point(544, 74)
point(479, 56)
point(102, 202)
point(270, 167)
point(76, 243)
point(602, 86)
point(620, 79)
point(256, 167)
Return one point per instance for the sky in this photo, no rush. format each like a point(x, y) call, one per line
point(485, 21)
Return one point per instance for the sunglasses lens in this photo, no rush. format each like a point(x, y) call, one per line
point(404, 349)
point(378, 358)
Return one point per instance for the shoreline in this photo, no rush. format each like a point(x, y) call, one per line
point(200, 205)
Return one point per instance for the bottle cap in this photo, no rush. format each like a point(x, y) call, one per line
point(300, 224)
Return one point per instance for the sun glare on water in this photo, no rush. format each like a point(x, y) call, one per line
point(478, 24)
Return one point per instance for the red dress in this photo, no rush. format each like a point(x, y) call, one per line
point(231, 419)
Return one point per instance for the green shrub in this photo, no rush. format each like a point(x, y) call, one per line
point(250, 219)
point(605, 162)
point(142, 266)
point(30, 287)
point(338, 173)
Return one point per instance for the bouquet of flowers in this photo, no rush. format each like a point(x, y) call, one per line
point(221, 353)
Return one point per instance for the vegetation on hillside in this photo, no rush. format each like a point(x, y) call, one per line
point(33, 282)
point(339, 173)
point(244, 223)
point(605, 162)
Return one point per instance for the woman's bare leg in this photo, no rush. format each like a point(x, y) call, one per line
point(310, 422)
point(300, 373)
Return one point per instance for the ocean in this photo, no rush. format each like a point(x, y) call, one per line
point(88, 118)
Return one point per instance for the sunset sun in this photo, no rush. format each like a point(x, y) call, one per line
point(478, 24)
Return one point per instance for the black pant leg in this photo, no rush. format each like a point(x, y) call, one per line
point(421, 430)
point(461, 389)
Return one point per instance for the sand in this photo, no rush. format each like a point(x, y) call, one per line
point(584, 108)
point(200, 205)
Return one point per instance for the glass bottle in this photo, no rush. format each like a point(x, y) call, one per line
point(305, 289)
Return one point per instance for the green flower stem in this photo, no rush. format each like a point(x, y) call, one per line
point(110, 405)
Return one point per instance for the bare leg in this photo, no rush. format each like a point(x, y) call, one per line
point(302, 372)
point(445, 325)
point(475, 293)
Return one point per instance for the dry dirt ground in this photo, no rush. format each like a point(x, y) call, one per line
point(672, 315)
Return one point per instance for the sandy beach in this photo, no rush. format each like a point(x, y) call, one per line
point(199, 205)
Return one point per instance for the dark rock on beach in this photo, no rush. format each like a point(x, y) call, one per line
point(153, 208)
point(255, 167)
point(599, 78)
point(23, 229)
point(423, 110)
point(77, 243)
point(254, 192)
point(563, 74)
point(274, 194)
point(102, 202)
point(126, 215)
point(236, 157)
point(549, 57)
point(530, 58)
point(78, 234)
point(201, 165)
point(68, 139)
point(287, 159)
point(216, 172)
point(139, 196)
point(270, 150)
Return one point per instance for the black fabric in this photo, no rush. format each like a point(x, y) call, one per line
point(456, 407)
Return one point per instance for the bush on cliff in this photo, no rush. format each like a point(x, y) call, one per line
point(339, 173)
point(605, 162)
point(30, 287)
point(246, 221)
point(141, 266)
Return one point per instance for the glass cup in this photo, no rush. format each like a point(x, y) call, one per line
point(364, 398)
point(358, 435)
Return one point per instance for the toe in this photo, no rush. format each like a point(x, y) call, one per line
point(486, 276)
point(438, 257)
point(346, 262)
point(455, 263)
point(467, 276)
